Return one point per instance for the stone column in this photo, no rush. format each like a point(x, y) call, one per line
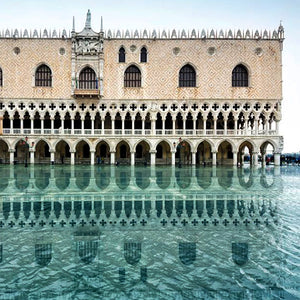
point(277, 126)
point(194, 126)
point(143, 126)
point(193, 158)
point(102, 126)
point(72, 157)
point(132, 157)
point(214, 158)
point(173, 152)
point(215, 125)
point(234, 163)
point(112, 157)
point(82, 126)
point(21, 125)
point(225, 125)
point(263, 159)
point(256, 126)
point(42, 125)
point(184, 124)
point(163, 126)
point(93, 125)
point(11, 156)
point(173, 125)
point(277, 159)
point(112, 127)
point(152, 158)
point(52, 125)
point(92, 157)
point(204, 125)
point(12, 124)
point(267, 126)
point(235, 126)
point(153, 126)
point(31, 151)
point(72, 126)
point(132, 125)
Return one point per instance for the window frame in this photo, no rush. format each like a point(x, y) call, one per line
point(135, 78)
point(239, 74)
point(87, 83)
point(144, 52)
point(123, 53)
point(187, 82)
point(43, 76)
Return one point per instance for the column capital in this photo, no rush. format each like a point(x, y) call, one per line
point(153, 151)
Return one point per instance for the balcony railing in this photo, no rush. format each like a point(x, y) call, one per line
point(139, 132)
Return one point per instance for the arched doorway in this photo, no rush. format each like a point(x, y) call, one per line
point(224, 154)
point(42, 153)
point(123, 153)
point(204, 155)
point(102, 153)
point(267, 153)
point(142, 155)
point(62, 153)
point(21, 152)
point(163, 154)
point(82, 153)
point(245, 153)
point(183, 153)
point(4, 155)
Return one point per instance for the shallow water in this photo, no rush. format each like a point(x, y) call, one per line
point(105, 232)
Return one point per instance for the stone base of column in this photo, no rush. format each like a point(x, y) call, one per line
point(152, 158)
point(277, 159)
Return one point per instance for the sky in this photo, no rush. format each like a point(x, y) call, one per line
point(178, 14)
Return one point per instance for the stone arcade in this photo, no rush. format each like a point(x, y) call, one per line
point(157, 97)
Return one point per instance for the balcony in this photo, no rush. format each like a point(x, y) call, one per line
point(90, 93)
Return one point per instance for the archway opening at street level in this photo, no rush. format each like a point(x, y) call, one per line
point(224, 154)
point(204, 154)
point(102, 154)
point(142, 155)
point(4, 154)
point(42, 153)
point(183, 153)
point(123, 153)
point(266, 153)
point(82, 155)
point(62, 152)
point(163, 154)
point(245, 153)
point(21, 151)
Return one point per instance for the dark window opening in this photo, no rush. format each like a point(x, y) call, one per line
point(88, 79)
point(187, 76)
point(122, 55)
point(143, 54)
point(132, 77)
point(240, 76)
point(43, 76)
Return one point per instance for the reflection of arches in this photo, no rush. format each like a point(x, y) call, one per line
point(240, 253)
point(42, 176)
point(43, 254)
point(22, 178)
point(204, 176)
point(123, 152)
point(87, 250)
point(264, 181)
point(187, 253)
point(83, 177)
point(225, 154)
point(203, 155)
point(102, 177)
point(245, 181)
point(122, 176)
point(132, 252)
point(225, 177)
point(163, 177)
point(163, 153)
point(142, 178)
point(62, 178)
point(183, 177)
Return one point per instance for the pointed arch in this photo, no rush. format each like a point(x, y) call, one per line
point(122, 55)
point(144, 55)
point(1, 77)
point(88, 79)
point(187, 76)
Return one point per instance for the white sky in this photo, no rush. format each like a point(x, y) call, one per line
point(183, 14)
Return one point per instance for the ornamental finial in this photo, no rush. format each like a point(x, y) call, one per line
point(88, 20)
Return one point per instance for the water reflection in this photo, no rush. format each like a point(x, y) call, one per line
point(142, 233)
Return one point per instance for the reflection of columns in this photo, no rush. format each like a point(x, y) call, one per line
point(234, 158)
point(193, 158)
point(277, 159)
point(112, 157)
point(52, 156)
point(152, 158)
point(72, 157)
point(92, 157)
point(31, 151)
point(214, 158)
point(255, 158)
point(132, 154)
point(11, 156)
point(173, 157)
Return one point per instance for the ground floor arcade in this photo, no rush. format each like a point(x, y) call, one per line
point(150, 151)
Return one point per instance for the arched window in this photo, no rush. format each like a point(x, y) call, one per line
point(1, 80)
point(132, 77)
point(187, 76)
point(240, 76)
point(43, 254)
point(132, 252)
point(88, 79)
point(122, 55)
point(43, 76)
point(143, 54)
point(87, 250)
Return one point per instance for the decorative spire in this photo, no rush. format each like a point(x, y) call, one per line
point(73, 28)
point(281, 31)
point(101, 28)
point(88, 20)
